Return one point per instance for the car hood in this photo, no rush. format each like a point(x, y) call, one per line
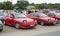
point(22, 19)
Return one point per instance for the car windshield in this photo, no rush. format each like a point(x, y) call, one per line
point(43, 15)
point(51, 14)
point(58, 14)
point(34, 14)
point(20, 16)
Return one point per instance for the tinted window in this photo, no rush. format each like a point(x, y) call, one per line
point(42, 15)
point(34, 14)
point(51, 14)
point(19, 16)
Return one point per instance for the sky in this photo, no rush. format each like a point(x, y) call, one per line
point(36, 1)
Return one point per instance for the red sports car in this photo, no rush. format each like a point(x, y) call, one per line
point(19, 20)
point(42, 18)
point(55, 15)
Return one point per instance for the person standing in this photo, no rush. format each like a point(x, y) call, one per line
point(5, 12)
point(24, 11)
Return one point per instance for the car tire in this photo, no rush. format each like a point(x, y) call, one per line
point(42, 23)
point(1, 29)
point(17, 26)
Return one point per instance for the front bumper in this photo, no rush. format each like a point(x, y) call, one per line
point(28, 25)
point(50, 22)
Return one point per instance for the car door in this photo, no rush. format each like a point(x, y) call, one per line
point(12, 21)
point(8, 19)
point(35, 17)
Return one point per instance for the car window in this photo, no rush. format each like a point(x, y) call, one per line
point(34, 14)
point(58, 14)
point(51, 14)
point(42, 15)
point(19, 16)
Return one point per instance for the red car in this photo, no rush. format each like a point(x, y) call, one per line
point(55, 15)
point(19, 21)
point(42, 18)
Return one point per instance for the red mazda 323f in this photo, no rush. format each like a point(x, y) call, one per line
point(42, 18)
point(19, 20)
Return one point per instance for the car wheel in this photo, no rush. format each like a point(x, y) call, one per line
point(41, 23)
point(1, 29)
point(58, 22)
point(17, 26)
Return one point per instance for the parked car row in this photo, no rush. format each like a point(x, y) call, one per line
point(19, 20)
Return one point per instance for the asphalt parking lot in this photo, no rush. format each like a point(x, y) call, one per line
point(11, 31)
point(55, 33)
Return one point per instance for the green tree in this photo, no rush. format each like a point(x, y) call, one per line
point(21, 4)
point(7, 5)
point(1, 5)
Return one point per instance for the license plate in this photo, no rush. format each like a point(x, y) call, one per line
point(54, 23)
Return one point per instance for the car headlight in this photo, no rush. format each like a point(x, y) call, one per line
point(49, 19)
point(24, 21)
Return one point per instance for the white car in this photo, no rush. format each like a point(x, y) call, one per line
point(1, 26)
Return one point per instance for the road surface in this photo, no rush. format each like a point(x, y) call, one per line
point(11, 31)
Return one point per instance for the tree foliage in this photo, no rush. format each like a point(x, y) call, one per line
point(1, 5)
point(47, 6)
point(6, 5)
point(22, 4)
